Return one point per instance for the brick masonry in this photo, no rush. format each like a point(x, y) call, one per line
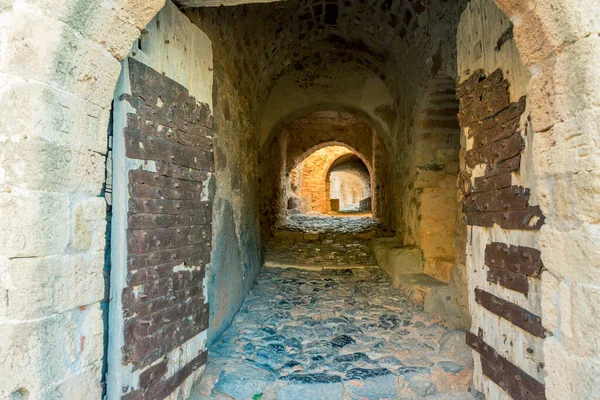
point(493, 127)
point(169, 228)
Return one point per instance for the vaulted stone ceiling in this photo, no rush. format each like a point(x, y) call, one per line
point(260, 42)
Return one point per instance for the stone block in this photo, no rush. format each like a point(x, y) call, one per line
point(440, 269)
point(37, 352)
point(417, 286)
point(314, 391)
point(83, 384)
point(570, 376)
point(373, 388)
point(397, 260)
point(585, 303)
point(572, 253)
point(441, 300)
point(41, 48)
point(565, 83)
point(39, 287)
point(59, 117)
point(38, 164)
point(34, 223)
point(569, 146)
point(244, 382)
point(88, 224)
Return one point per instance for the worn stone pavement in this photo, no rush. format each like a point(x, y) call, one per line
point(330, 224)
point(334, 334)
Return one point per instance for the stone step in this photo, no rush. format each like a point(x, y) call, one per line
point(324, 249)
point(405, 265)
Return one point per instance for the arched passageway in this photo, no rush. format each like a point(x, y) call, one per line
point(349, 185)
point(135, 257)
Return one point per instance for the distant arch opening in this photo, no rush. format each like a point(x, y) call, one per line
point(330, 179)
point(349, 184)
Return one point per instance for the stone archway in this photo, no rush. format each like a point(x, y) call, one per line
point(310, 173)
point(70, 102)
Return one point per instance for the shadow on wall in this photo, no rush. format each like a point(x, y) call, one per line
point(226, 291)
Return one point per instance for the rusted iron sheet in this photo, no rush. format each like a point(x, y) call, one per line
point(529, 219)
point(487, 99)
point(169, 225)
point(169, 103)
point(489, 183)
point(498, 132)
point(495, 152)
point(512, 112)
point(470, 84)
point(154, 386)
point(519, 316)
point(502, 167)
point(510, 280)
point(508, 199)
point(518, 259)
point(516, 382)
point(197, 255)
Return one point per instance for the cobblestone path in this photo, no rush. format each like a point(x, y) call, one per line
point(334, 334)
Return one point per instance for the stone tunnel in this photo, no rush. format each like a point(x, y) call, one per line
point(300, 199)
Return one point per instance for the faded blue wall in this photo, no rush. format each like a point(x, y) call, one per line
point(236, 257)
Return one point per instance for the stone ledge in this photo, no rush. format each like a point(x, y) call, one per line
point(397, 260)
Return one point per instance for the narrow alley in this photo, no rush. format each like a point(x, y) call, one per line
point(299, 199)
point(334, 333)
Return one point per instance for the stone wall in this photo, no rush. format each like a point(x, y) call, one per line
point(503, 261)
point(60, 64)
point(429, 167)
point(310, 132)
point(298, 139)
point(236, 258)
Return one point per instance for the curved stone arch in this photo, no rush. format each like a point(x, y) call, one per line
point(379, 130)
point(355, 90)
point(319, 177)
point(315, 148)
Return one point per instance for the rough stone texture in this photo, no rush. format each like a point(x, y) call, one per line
point(397, 260)
point(67, 107)
point(330, 334)
point(53, 147)
point(318, 241)
point(300, 144)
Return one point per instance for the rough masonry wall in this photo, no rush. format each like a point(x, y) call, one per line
point(236, 258)
point(429, 164)
point(309, 132)
point(503, 257)
point(51, 188)
point(299, 138)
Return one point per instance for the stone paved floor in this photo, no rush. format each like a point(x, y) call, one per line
point(329, 224)
point(334, 334)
